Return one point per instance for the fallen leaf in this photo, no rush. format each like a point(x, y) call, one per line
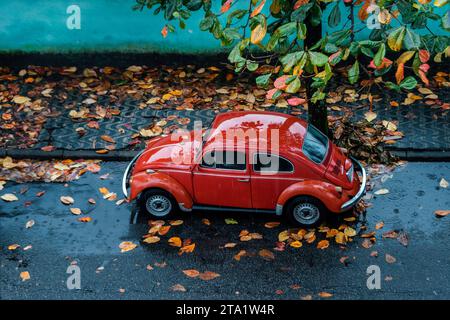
point(443, 183)
point(349, 232)
point(107, 139)
point(176, 222)
point(323, 244)
point(390, 259)
point(403, 238)
point(84, 219)
point(75, 211)
point(381, 192)
point(325, 294)
point(230, 221)
point(66, 200)
point(296, 244)
point(240, 254)
point(271, 225)
point(29, 224)
point(266, 254)
point(187, 248)
point(151, 239)
point(230, 245)
point(127, 246)
point(206, 222)
point(379, 225)
point(442, 213)
point(208, 275)
point(175, 242)
point(283, 236)
point(25, 275)
point(191, 273)
point(178, 287)
point(9, 197)
point(370, 116)
point(163, 230)
point(13, 246)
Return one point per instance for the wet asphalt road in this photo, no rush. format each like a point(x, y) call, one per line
point(421, 270)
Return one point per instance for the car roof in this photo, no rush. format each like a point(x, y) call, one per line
point(271, 132)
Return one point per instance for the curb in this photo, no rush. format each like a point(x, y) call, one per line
point(114, 155)
point(125, 155)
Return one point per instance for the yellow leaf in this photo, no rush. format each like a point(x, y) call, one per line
point(21, 99)
point(283, 236)
point(296, 244)
point(188, 248)
point(258, 33)
point(13, 246)
point(370, 116)
point(405, 57)
point(127, 246)
point(151, 239)
point(349, 232)
point(341, 238)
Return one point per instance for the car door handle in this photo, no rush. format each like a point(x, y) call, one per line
point(243, 180)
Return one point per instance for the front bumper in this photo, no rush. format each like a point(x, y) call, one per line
point(362, 189)
point(127, 173)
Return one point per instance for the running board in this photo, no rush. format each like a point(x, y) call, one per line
point(200, 207)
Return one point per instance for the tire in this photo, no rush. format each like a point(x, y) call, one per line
point(305, 211)
point(157, 203)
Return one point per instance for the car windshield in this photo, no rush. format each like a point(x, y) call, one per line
point(315, 146)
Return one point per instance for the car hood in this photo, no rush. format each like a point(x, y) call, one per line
point(168, 152)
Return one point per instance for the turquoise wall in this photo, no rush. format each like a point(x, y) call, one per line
point(106, 25)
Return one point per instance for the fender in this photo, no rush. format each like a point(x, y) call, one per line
point(143, 180)
point(324, 191)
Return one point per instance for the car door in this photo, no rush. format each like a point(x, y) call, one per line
point(223, 179)
point(270, 176)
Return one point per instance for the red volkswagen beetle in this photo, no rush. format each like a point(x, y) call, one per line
point(246, 161)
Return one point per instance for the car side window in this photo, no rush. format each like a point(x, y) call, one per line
point(271, 163)
point(227, 160)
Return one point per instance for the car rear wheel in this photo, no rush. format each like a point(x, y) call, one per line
point(305, 211)
point(158, 203)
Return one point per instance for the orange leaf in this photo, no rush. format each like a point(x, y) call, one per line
point(163, 230)
point(300, 3)
point(175, 241)
point(400, 74)
point(164, 31)
point(325, 295)
point(25, 275)
point(187, 248)
point(442, 213)
point(107, 139)
point(271, 225)
point(424, 55)
point(266, 254)
point(323, 244)
point(258, 9)
point(191, 273)
point(226, 6)
point(84, 219)
point(208, 275)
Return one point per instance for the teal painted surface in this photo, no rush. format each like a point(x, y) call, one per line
point(106, 25)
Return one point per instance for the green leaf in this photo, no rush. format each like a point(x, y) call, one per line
point(411, 40)
point(301, 31)
point(315, 15)
point(317, 59)
point(251, 65)
point(317, 95)
point(379, 56)
point(408, 83)
point(395, 38)
point(263, 81)
point(353, 73)
point(293, 86)
point(392, 86)
point(299, 15)
point(335, 16)
point(194, 5)
point(291, 59)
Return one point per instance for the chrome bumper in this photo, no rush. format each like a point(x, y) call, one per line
point(362, 190)
point(126, 174)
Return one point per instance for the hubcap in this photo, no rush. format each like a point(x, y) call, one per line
point(306, 213)
point(158, 205)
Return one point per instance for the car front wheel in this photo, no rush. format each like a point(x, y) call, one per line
point(305, 211)
point(158, 203)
